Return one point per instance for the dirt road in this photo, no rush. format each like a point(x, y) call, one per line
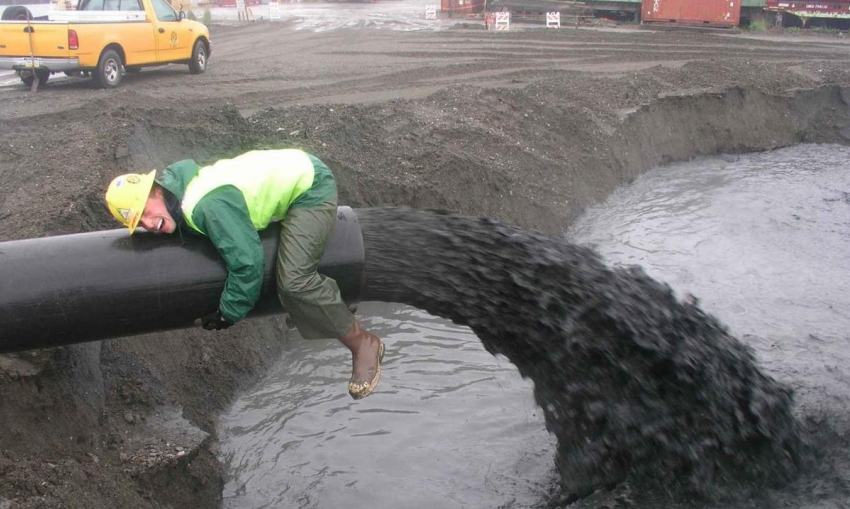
point(273, 65)
point(527, 127)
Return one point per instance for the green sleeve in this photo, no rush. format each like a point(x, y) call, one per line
point(223, 216)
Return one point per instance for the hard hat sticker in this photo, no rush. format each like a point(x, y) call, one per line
point(119, 182)
point(133, 179)
point(125, 213)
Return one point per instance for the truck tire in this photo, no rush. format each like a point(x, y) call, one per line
point(42, 79)
point(198, 62)
point(109, 69)
point(16, 13)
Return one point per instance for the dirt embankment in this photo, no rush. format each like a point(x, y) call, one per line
point(510, 137)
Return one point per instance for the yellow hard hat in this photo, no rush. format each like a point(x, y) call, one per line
point(127, 195)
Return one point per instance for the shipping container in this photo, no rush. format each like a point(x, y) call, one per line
point(719, 13)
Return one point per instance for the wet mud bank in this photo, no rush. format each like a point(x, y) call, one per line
point(680, 127)
point(104, 424)
point(535, 159)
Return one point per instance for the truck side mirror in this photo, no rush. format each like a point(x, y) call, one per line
point(181, 15)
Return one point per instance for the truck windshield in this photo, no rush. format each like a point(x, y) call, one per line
point(110, 5)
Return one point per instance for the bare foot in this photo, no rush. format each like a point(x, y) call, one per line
point(364, 361)
point(366, 355)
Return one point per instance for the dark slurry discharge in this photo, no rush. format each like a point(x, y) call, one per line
point(634, 384)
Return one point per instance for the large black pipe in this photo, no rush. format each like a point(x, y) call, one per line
point(101, 285)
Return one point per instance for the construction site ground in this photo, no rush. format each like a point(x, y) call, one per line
point(528, 127)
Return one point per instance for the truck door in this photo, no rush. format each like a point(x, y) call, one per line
point(172, 36)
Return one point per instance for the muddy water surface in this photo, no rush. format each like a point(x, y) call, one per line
point(453, 426)
point(763, 240)
point(635, 384)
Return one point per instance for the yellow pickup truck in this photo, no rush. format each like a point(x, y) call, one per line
point(104, 38)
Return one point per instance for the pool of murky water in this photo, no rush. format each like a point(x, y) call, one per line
point(452, 426)
point(760, 240)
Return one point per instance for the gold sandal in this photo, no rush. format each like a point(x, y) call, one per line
point(359, 390)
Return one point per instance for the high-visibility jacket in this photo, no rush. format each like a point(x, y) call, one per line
point(232, 199)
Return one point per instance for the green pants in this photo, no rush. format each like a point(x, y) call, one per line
point(312, 300)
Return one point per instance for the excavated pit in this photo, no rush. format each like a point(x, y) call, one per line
point(559, 307)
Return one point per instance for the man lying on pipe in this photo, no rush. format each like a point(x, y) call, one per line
point(230, 201)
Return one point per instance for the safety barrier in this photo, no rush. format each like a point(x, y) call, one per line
point(242, 12)
point(553, 20)
point(274, 10)
point(431, 12)
point(502, 21)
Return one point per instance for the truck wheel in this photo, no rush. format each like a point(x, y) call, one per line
point(42, 78)
point(198, 62)
point(109, 68)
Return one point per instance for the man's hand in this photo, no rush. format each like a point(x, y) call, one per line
point(214, 321)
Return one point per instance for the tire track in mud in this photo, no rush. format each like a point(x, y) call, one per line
point(548, 55)
point(273, 65)
point(479, 60)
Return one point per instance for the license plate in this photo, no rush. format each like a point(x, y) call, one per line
point(29, 62)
